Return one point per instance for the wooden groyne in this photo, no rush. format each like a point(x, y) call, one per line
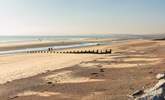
point(97, 51)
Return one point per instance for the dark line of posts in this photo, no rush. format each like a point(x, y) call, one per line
point(50, 50)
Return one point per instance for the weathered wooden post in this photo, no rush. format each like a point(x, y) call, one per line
point(106, 51)
point(89, 51)
point(101, 52)
point(97, 51)
point(110, 51)
point(93, 51)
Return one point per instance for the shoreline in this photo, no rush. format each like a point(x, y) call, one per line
point(21, 47)
point(36, 44)
point(59, 47)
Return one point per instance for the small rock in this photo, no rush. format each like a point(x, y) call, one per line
point(137, 93)
point(49, 82)
point(94, 73)
point(101, 70)
point(160, 76)
point(151, 72)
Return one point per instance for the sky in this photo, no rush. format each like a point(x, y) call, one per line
point(60, 17)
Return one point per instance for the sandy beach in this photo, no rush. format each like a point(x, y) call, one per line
point(131, 66)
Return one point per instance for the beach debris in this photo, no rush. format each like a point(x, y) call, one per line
point(94, 73)
point(150, 72)
point(49, 82)
point(160, 76)
point(13, 97)
point(155, 93)
point(101, 70)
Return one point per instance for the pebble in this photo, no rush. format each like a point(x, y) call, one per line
point(49, 82)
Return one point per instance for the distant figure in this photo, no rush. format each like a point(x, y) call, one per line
point(40, 39)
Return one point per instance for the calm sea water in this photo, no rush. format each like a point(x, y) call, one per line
point(51, 38)
point(56, 38)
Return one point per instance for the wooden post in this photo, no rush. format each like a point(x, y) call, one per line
point(97, 51)
point(93, 51)
point(106, 51)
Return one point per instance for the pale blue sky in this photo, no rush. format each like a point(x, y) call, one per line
point(38, 17)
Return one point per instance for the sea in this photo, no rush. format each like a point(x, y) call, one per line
point(114, 37)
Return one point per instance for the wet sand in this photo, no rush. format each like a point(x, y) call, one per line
point(131, 66)
point(45, 43)
point(33, 44)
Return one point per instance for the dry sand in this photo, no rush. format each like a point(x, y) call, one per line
point(132, 66)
